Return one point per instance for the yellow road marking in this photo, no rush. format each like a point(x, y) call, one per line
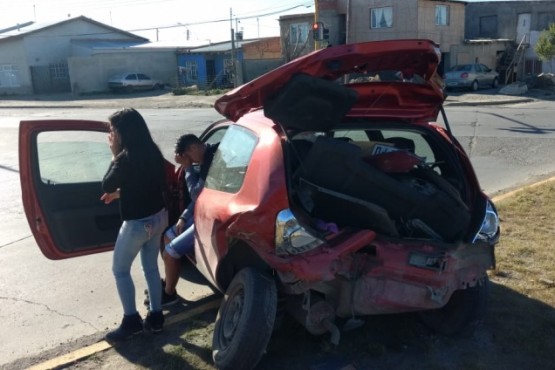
point(85, 352)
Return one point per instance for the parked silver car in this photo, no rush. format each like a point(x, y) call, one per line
point(131, 81)
point(471, 76)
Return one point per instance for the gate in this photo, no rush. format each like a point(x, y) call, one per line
point(50, 79)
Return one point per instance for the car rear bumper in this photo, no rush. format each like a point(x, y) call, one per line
point(458, 83)
point(386, 277)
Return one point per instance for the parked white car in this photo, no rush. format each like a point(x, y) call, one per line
point(131, 81)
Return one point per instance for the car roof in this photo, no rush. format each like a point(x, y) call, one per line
point(372, 70)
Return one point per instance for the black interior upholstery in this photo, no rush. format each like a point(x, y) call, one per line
point(310, 103)
point(337, 166)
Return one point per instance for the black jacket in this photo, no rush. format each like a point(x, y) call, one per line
point(141, 187)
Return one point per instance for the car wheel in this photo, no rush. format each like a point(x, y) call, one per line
point(474, 86)
point(245, 320)
point(464, 311)
point(495, 83)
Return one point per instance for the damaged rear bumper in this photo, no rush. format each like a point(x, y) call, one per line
point(385, 277)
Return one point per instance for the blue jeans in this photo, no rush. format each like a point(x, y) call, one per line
point(182, 244)
point(142, 235)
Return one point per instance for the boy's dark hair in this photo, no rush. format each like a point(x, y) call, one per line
point(185, 141)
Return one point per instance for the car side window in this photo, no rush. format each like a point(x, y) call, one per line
point(231, 160)
point(131, 77)
point(214, 137)
point(143, 77)
point(69, 157)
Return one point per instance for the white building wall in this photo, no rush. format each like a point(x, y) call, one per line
point(92, 73)
point(12, 54)
point(51, 45)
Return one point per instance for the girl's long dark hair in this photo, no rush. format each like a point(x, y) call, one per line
point(136, 140)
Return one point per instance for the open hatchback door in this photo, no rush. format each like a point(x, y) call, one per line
point(62, 164)
point(391, 79)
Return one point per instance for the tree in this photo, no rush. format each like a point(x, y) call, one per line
point(545, 47)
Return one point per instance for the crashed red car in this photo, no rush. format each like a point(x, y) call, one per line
point(335, 192)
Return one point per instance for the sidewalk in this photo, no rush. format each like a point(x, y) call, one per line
point(150, 99)
point(165, 99)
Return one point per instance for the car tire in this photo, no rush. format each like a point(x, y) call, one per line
point(464, 311)
point(245, 320)
point(474, 86)
point(495, 83)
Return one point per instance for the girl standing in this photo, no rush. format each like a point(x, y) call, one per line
point(136, 176)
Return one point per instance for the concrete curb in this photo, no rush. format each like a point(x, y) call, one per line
point(83, 353)
point(513, 192)
point(489, 102)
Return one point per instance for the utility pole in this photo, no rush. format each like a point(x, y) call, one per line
point(234, 71)
point(316, 16)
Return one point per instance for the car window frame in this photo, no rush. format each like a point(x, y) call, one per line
point(224, 182)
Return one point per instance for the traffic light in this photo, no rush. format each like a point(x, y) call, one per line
point(325, 33)
point(318, 31)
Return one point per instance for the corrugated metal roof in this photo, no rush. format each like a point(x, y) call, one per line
point(221, 46)
point(118, 44)
point(29, 28)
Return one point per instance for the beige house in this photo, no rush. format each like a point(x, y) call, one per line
point(503, 34)
point(352, 21)
point(499, 34)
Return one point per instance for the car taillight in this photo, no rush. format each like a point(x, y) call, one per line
point(291, 237)
point(464, 75)
point(489, 231)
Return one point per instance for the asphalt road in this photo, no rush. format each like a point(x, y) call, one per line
point(34, 292)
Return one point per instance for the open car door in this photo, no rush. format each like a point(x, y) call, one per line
point(62, 164)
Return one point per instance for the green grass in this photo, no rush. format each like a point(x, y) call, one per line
point(518, 331)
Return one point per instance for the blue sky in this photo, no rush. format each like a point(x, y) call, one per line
point(164, 19)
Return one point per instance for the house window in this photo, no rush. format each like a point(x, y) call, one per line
point(191, 69)
point(442, 15)
point(381, 17)
point(58, 71)
point(298, 33)
point(9, 76)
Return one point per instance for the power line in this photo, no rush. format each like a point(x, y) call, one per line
point(267, 12)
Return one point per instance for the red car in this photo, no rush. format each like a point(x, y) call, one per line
point(333, 192)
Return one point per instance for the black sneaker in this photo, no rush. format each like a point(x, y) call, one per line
point(162, 281)
point(154, 321)
point(130, 325)
point(167, 299)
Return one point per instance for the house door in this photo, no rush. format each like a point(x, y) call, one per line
point(210, 72)
point(523, 28)
point(50, 79)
